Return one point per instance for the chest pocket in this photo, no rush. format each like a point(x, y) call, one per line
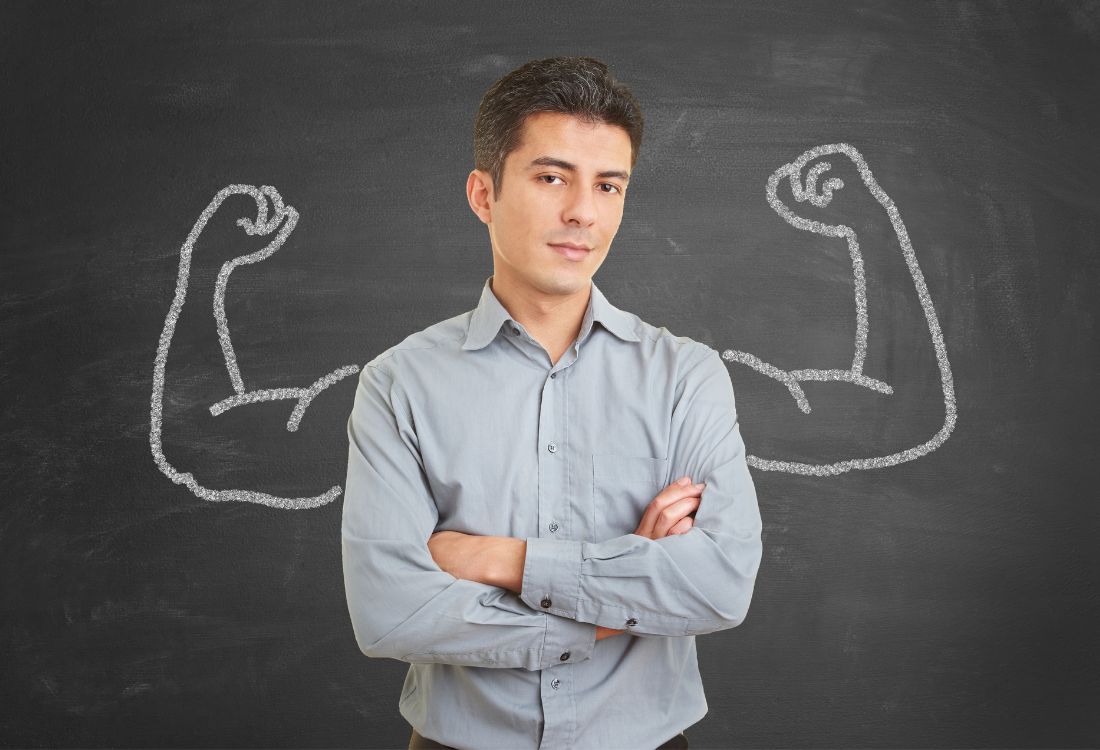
point(622, 488)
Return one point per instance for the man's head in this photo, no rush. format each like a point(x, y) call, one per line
point(554, 144)
point(578, 86)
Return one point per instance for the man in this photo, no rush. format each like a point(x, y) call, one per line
point(510, 528)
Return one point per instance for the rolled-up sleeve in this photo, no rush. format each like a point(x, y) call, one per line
point(402, 605)
point(685, 584)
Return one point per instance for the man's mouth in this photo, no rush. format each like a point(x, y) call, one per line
point(571, 251)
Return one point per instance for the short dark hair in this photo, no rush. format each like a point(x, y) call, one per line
point(578, 86)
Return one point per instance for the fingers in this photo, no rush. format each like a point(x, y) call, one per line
point(674, 493)
point(681, 526)
point(672, 515)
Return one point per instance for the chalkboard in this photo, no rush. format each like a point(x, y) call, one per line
point(914, 352)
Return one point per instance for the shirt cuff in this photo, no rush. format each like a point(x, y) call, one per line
point(552, 576)
point(551, 584)
point(567, 641)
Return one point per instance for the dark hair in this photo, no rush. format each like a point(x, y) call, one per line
point(578, 86)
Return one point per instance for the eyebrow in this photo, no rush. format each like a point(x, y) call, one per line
point(550, 161)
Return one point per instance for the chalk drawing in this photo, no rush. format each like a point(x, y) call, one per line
point(820, 198)
point(803, 188)
point(287, 216)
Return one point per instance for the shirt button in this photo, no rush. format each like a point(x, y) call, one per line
point(545, 602)
point(631, 622)
point(553, 525)
point(515, 331)
point(553, 375)
point(553, 448)
point(556, 682)
point(565, 656)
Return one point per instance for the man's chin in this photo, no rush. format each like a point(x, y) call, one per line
point(566, 283)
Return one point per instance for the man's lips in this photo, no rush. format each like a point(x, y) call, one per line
point(571, 251)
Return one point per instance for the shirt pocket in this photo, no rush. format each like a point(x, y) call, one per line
point(622, 488)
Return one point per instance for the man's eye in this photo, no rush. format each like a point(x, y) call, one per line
point(551, 176)
point(615, 187)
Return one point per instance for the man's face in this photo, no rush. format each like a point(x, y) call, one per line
point(565, 183)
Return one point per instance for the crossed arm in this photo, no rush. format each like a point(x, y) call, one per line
point(419, 595)
point(499, 560)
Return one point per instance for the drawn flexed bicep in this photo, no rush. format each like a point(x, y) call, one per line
point(273, 225)
point(810, 195)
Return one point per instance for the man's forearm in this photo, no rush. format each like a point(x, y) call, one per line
point(502, 561)
point(492, 560)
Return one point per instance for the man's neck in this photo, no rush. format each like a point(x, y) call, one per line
point(552, 320)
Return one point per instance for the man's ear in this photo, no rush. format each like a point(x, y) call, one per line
point(479, 192)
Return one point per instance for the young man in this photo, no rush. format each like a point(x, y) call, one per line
point(510, 528)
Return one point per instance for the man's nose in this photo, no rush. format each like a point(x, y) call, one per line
point(580, 207)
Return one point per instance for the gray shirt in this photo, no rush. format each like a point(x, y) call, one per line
point(468, 426)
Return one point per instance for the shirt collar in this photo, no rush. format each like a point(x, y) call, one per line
point(490, 314)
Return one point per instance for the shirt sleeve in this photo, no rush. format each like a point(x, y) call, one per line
point(685, 584)
point(402, 605)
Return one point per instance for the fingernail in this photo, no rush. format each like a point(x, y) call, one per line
point(683, 481)
point(701, 485)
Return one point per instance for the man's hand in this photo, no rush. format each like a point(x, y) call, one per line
point(667, 514)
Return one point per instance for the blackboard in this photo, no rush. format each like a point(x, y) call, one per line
point(946, 598)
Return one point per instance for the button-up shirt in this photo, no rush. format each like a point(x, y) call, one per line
point(470, 426)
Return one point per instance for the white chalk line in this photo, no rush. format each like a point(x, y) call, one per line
point(791, 379)
point(286, 216)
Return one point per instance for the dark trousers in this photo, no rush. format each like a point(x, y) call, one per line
point(419, 742)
